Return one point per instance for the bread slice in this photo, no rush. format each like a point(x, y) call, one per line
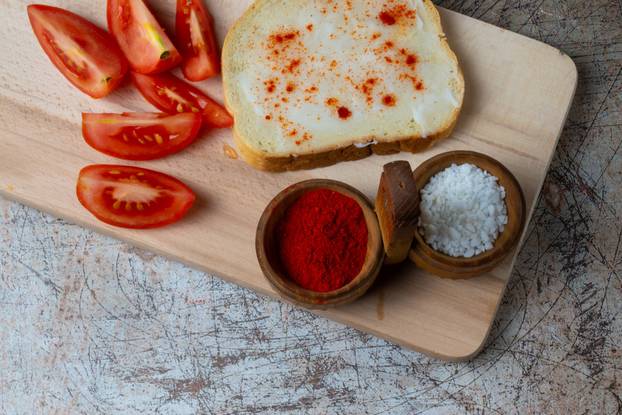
point(314, 82)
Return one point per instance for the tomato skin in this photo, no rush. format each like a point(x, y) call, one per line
point(196, 40)
point(172, 95)
point(140, 37)
point(163, 199)
point(103, 67)
point(140, 136)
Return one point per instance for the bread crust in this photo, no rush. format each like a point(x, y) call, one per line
point(266, 162)
point(325, 157)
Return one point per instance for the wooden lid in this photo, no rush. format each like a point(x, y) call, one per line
point(397, 207)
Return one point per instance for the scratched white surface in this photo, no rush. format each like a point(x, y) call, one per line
point(89, 325)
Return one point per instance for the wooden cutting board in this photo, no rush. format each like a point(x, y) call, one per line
point(517, 98)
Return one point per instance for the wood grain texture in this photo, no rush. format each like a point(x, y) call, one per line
point(397, 207)
point(514, 110)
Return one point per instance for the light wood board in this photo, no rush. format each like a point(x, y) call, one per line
point(518, 92)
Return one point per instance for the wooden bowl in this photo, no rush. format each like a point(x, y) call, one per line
point(265, 244)
point(447, 266)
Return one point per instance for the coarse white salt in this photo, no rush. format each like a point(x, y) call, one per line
point(463, 211)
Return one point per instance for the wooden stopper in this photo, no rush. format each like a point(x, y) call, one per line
point(397, 207)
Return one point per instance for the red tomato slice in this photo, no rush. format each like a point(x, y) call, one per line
point(141, 37)
point(140, 136)
point(196, 40)
point(172, 95)
point(131, 197)
point(84, 53)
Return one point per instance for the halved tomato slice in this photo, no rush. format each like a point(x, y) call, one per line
point(141, 37)
point(84, 53)
point(196, 40)
point(140, 136)
point(131, 197)
point(172, 95)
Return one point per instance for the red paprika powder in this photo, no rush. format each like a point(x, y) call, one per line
point(322, 240)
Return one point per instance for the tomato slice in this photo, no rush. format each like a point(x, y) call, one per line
point(84, 53)
point(196, 40)
point(140, 136)
point(141, 37)
point(132, 197)
point(172, 95)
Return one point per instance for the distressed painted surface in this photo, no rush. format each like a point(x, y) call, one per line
point(90, 325)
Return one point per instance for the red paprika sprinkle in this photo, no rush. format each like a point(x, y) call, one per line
point(386, 18)
point(322, 240)
point(344, 113)
point(389, 100)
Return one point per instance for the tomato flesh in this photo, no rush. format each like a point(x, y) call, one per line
point(172, 95)
point(133, 197)
point(84, 53)
point(140, 136)
point(196, 40)
point(140, 36)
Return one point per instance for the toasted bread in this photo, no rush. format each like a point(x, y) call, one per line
point(314, 82)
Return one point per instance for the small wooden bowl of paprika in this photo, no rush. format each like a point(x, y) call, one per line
point(312, 246)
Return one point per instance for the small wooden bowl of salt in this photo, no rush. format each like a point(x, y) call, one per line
point(438, 246)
